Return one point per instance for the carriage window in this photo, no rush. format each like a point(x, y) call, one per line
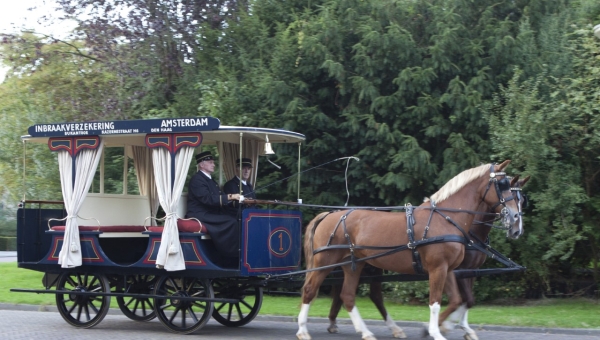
point(132, 183)
point(112, 164)
point(113, 170)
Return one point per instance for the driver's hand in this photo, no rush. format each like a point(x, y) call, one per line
point(241, 198)
point(234, 197)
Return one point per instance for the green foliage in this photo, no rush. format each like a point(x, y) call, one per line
point(552, 137)
point(418, 90)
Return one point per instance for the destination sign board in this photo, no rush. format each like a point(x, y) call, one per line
point(122, 127)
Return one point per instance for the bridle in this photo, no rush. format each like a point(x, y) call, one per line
point(501, 186)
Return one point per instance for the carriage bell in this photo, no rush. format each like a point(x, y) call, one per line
point(268, 148)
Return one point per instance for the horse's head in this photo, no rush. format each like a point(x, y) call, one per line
point(515, 187)
point(499, 196)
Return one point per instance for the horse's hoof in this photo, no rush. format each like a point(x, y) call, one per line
point(303, 336)
point(333, 329)
point(471, 336)
point(369, 337)
point(399, 334)
point(446, 327)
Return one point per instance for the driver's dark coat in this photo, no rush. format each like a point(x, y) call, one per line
point(208, 204)
point(233, 187)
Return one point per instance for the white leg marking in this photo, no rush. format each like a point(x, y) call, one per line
point(464, 324)
point(397, 332)
point(359, 325)
point(302, 320)
point(453, 319)
point(434, 317)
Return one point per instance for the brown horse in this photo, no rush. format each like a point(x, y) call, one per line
point(473, 259)
point(366, 235)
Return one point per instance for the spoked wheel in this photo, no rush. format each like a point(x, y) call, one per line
point(239, 313)
point(179, 315)
point(84, 311)
point(138, 308)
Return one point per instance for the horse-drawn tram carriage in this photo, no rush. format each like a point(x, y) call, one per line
point(93, 245)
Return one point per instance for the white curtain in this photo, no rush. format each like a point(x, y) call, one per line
point(142, 161)
point(74, 194)
point(170, 255)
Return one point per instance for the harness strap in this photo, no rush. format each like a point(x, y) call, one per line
point(410, 226)
point(393, 249)
point(493, 254)
point(341, 221)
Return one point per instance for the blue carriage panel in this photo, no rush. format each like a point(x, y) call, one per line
point(91, 251)
point(197, 252)
point(32, 240)
point(271, 241)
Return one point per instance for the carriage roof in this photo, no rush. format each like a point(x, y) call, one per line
point(133, 132)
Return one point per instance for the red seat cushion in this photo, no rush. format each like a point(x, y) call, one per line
point(106, 228)
point(184, 226)
point(191, 226)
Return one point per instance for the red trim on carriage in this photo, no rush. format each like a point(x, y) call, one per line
point(73, 144)
point(106, 228)
point(184, 226)
point(173, 141)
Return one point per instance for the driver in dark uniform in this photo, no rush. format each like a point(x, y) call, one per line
point(233, 185)
point(208, 204)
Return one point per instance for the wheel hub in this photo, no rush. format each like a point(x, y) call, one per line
point(180, 303)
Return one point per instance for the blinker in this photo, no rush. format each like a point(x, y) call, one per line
point(504, 184)
point(525, 200)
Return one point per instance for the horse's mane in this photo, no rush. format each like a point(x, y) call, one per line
point(459, 181)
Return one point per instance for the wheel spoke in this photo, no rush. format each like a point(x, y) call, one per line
point(92, 283)
point(245, 304)
point(199, 304)
point(71, 282)
point(128, 302)
point(163, 307)
point(192, 314)
point(172, 282)
point(91, 304)
point(229, 311)
point(72, 308)
point(239, 311)
point(87, 312)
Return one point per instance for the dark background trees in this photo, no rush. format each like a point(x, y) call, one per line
point(418, 90)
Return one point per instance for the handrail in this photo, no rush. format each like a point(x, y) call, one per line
point(42, 202)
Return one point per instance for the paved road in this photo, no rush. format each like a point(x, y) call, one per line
point(18, 324)
point(8, 256)
point(27, 322)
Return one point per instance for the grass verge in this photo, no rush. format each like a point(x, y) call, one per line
point(551, 313)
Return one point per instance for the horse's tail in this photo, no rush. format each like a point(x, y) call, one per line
point(309, 237)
